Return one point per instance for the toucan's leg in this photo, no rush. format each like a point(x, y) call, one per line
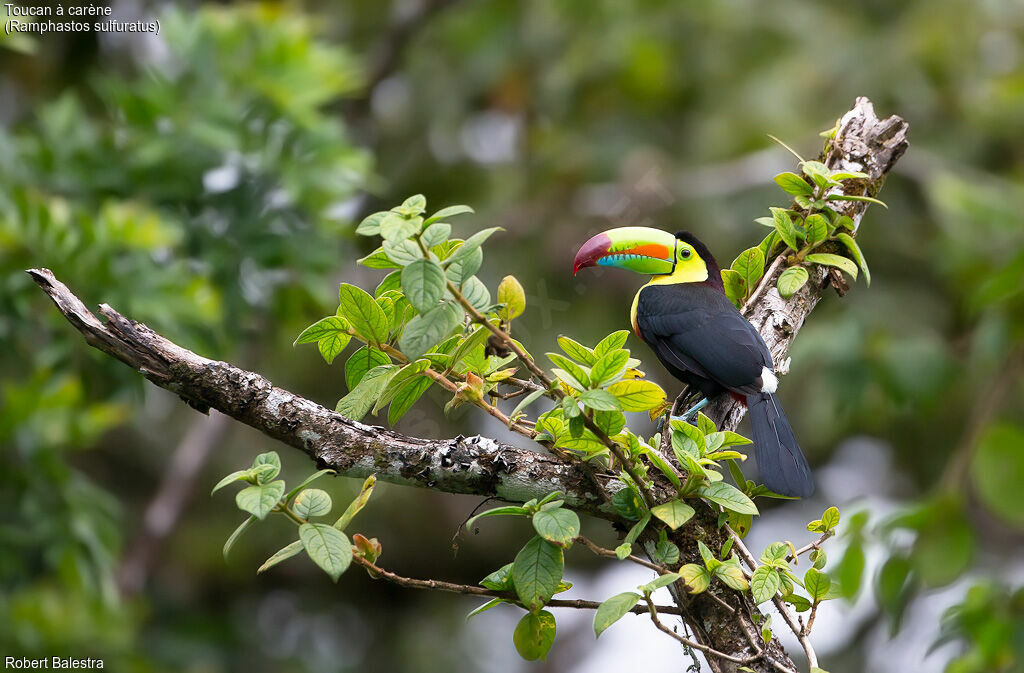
point(691, 412)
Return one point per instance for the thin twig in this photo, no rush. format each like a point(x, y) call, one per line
point(471, 590)
point(609, 553)
point(780, 605)
point(653, 610)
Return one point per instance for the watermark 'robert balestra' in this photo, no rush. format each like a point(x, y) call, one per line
point(52, 663)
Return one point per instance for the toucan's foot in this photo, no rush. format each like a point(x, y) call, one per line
point(690, 413)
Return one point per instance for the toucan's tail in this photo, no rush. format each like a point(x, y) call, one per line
point(780, 462)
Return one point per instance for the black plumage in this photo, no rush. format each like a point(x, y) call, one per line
point(702, 339)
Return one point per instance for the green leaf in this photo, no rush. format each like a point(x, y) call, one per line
point(817, 584)
point(707, 426)
point(407, 373)
point(791, 280)
point(663, 465)
point(427, 329)
point(764, 584)
point(394, 227)
point(696, 577)
point(574, 370)
point(326, 327)
point(666, 552)
point(536, 572)
point(849, 175)
point(850, 197)
point(361, 399)
point(623, 550)
point(312, 502)
point(476, 293)
point(471, 245)
point(830, 518)
point(784, 227)
point(577, 351)
point(406, 396)
point(637, 395)
point(362, 361)
point(728, 496)
point(612, 342)
point(816, 227)
point(414, 205)
point(774, 553)
point(259, 500)
point(684, 430)
point(560, 526)
point(327, 546)
point(534, 635)
point(436, 234)
point(609, 367)
point(423, 284)
point(674, 513)
point(512, 296)
point(600, 400)
point(505, 510)
point(731, 575)
point(997, 471)
point(330, 347)
point(370, 226)
point(828, 259)
point(458, 272)
point(792, 183)
point(282, 554)
point(856, 253)
point(357, 504)
point(634, 533)
point(378, 259)
point(749, 264)
point(818, 172)
point(360, 309)
point(735, 288)
point(450, 211)
point(627, 503)
point(269, 458)
point(845, 222)
point(242, 527)
point(500, 579)
point(729, 438)
point(477, 338)
point(401, 252)
point(614, 609)
point(237, 475)
point(485, 607)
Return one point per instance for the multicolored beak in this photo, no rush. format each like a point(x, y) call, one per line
point(640, 249)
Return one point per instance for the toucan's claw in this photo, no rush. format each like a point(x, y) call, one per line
point(690, 413)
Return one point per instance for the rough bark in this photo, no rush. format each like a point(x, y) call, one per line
point(470, 465)
point(482, 466)
point(862, 143)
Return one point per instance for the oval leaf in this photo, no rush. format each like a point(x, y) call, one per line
point(366, 316)
point(791, 280)
point(312, 502)
point(560, 526)
point(613, 609)
point(536, 572)
point(423, 284)
point(327, 546)
point(259, 500)
point(534, 635)
point(838, 261)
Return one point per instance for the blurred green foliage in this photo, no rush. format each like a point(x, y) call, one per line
point(204, 183)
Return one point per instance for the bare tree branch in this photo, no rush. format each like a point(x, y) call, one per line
point(470, 465)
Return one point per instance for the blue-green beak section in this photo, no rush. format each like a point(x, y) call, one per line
point(640, 249)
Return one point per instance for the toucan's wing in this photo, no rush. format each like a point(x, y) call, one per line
point(695, 328)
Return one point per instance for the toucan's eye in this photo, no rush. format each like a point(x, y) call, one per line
point(684, 253)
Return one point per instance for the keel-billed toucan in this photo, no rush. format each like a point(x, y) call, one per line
point(700, 337)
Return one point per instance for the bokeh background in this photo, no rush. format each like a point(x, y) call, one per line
point(207, 180)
